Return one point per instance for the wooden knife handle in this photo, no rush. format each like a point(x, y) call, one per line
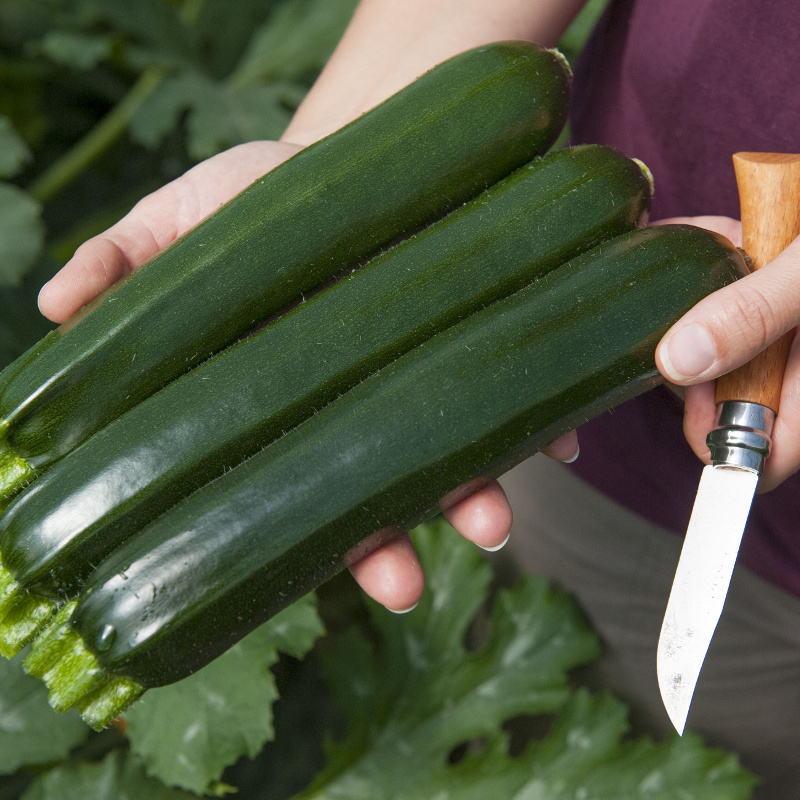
point(769, 196)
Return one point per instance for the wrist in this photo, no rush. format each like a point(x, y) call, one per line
point(390, 43)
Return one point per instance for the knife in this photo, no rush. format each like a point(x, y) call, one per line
point(747, 400)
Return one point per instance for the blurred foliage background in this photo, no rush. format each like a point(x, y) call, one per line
point(103, 101)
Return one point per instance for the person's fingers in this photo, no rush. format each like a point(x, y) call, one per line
point(391, 575)
point(699, 417)
point(565, 448)
point(784, 459)
point(732, 325)
point(484, 517)
point(154, 223)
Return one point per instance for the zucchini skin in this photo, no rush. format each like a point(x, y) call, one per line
point(462, 126)
point(223, 412)
point(469, 403)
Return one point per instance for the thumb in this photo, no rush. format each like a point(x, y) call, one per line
point(734, 324)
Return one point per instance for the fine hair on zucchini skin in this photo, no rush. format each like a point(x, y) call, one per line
point(439, 142)
point(223, 412)
point(472, 401)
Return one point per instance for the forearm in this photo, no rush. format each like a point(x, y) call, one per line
point(389, 43)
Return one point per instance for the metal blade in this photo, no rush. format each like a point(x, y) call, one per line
point(701, 583)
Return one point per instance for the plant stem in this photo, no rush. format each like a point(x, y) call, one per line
point(87, 150)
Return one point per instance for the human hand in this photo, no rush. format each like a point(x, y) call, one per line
point(725, 331)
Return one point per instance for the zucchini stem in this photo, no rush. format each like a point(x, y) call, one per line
point(70, 671)
point(88, 149)
point(22, 615)
point(15, 474)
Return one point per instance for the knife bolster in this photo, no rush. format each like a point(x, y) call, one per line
point(742, 437)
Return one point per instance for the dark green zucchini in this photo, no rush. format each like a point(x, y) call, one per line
point(439, 142)
point(226, 410)
point(470, 402)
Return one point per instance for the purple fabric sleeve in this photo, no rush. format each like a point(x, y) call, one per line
point(683, 85)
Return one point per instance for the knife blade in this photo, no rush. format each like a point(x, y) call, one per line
point(748, 401)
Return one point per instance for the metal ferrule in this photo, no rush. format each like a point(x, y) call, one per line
point(742, 437)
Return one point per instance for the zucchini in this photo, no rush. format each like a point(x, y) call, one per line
point(470, 402)
point(184, 436)
point(426, 150)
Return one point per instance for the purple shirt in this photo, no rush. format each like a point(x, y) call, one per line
point(683, 85)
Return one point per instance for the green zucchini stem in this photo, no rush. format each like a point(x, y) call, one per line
point(70, 671)
point(15, 474)
point(646, 172)
point(9, 591)
point(88, 149)
point(22, 615)
point(564, 61)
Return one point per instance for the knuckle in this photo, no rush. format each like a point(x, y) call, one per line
point(754, 318)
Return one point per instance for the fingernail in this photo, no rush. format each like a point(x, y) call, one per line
point(688, 353)
point(404, 610)
point(573, 457)
point(496, 547)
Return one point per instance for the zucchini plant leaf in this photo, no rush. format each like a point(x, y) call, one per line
point(296, 41)
point(74, 49)
point(218, 116)
point(21, 227)
point(31, 733)
point(146, 27)
point(187, 733)
point(256, 99)
point(21, 233)
point(426, 714)
point(14, 153)
point(119, 776)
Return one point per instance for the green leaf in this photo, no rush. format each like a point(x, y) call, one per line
point(72, 49)
point(14, 153)
point(118, 777)
point(145, 32)
point(21, 233)
point(187, 733)
point(21, 228)
point(423, 693)
point(30, 731)
point(218, 116)
point(583, 757)
point(427, 714)
point(296, 40)
point(222, 117)
point(222, 37)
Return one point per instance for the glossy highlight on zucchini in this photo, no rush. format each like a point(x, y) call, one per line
point(226, 410)
point(439, 142)
point(469, 403)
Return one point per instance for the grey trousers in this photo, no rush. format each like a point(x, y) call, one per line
point(620, 568)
